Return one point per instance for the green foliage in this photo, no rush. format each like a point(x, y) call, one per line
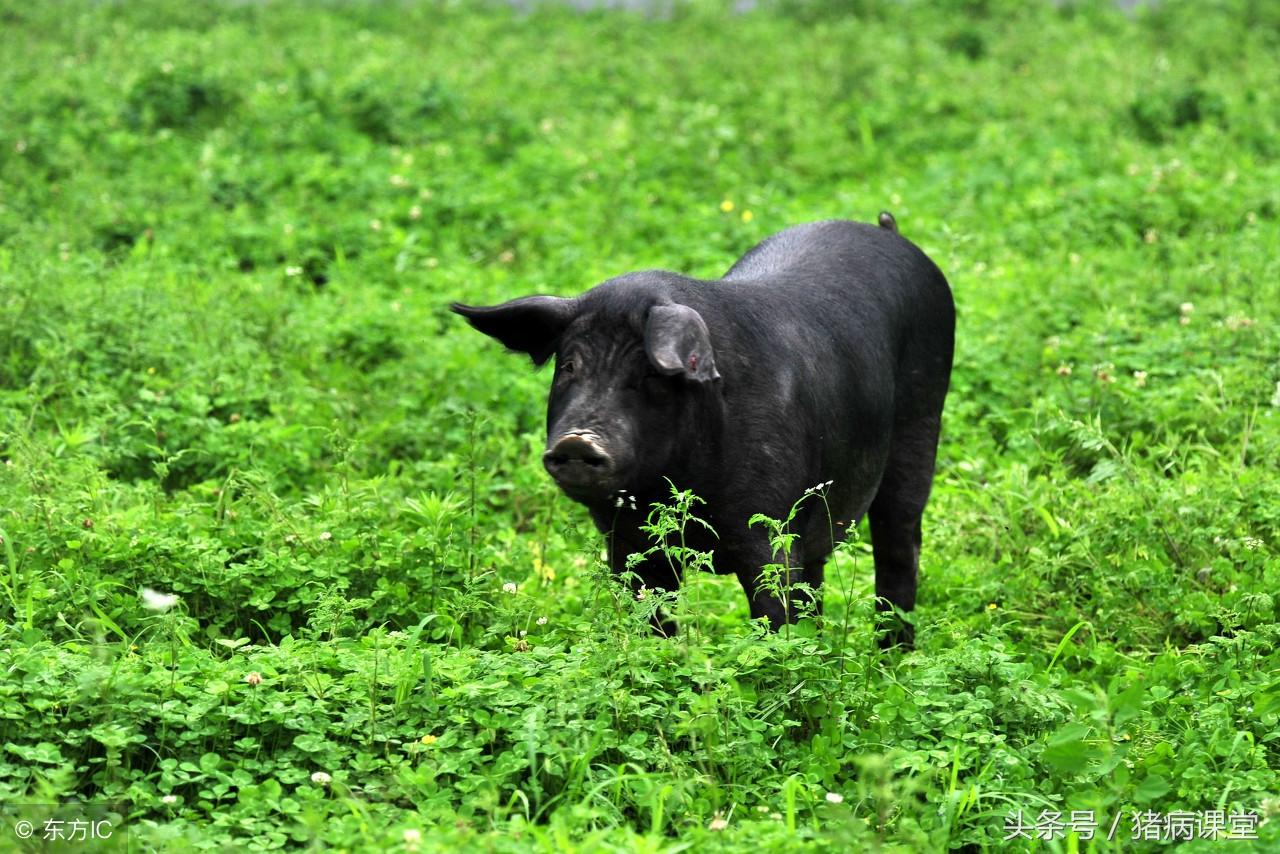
point(228, 237)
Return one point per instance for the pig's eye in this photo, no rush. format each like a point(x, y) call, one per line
point(567, 367)
point(655, 382)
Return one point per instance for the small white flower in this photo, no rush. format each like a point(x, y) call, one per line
point(1139, 378)
point(320, 778)
point(169, 799)
point(509, 587)
point(325, 536)
point(718, 823)
point(412, 837)
point(1187, 308)
point(835, 798)
point(541, 621)
point(157, 601)
point(1251, 543)
point(293, 271)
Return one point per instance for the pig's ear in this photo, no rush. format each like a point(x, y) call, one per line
point(677, 342)
point(531, 325)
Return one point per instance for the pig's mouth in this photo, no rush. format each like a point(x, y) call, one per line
point(581, 466)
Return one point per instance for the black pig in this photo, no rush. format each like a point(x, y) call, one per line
point(824, 354)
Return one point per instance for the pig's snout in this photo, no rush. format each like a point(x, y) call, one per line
point(578, 461)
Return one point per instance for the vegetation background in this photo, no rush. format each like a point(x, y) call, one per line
point(228, 236)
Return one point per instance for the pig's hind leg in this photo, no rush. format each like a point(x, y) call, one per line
point(895, 522)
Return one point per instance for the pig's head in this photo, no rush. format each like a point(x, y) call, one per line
point(633, 381)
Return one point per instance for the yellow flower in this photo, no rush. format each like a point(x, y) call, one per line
point(429, 739)
point(992, 606)
point(726, 206)
point(747, 216)
point(546, 573)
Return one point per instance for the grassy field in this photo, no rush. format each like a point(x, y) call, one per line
point(229, 233)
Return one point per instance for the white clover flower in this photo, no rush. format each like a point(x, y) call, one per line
point(1140, 378)
point(835, 798)
point(541, 621)
point(320, 778)
point(293, 271)
point(169, 799)
point(325, 536)
point(509, 587)
point(718, 823)
point(412, 837)
point(157, 601)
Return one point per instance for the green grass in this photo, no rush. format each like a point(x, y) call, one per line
point(228, 237)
